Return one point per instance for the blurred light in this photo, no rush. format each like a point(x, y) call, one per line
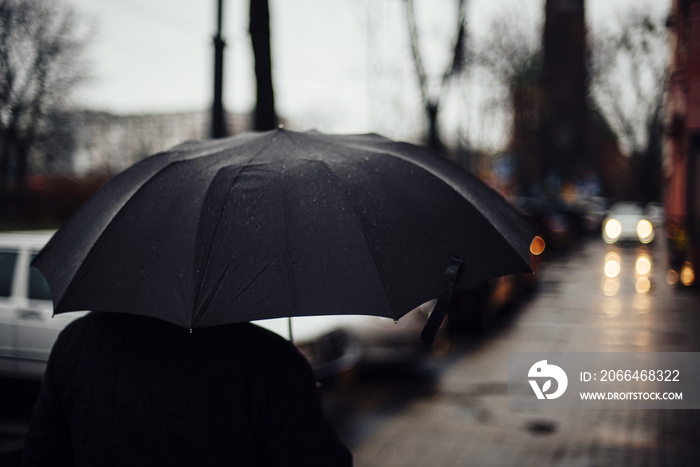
point(537, 246)
point(613, 337)
point(645, 231)
point(643, 285)
point(502, 290)
point(612, 230)
point(641, 303)
point(643, 265)
point(569, 193)
point(610, 286)
point(672, 277)
point(687, 274)
point(612, 307)
point(441, 345)
point(612, 265)
point(642, 338)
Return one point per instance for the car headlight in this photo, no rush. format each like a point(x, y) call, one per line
point(612, 230)
point(645, 231)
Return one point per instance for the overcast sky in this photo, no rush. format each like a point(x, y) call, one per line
point(338, 65)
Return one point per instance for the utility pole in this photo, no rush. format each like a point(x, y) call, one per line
point(218, 114)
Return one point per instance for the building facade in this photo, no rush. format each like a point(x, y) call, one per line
point(682, 142)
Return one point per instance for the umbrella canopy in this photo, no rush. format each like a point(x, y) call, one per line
point(280, 223)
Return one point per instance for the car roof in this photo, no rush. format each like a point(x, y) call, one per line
point(28, 239)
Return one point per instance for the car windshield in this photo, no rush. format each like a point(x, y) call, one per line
point(626, 208)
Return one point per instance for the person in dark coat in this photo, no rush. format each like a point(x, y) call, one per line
point(126, 390)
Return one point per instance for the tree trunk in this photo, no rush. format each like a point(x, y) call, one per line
point(265, 117)
point(433, 139)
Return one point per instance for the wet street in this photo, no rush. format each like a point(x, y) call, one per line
point(454, 410)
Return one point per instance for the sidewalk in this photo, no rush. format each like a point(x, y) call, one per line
point(466, 421)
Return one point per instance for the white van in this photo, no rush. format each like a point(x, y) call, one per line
point(27, 328)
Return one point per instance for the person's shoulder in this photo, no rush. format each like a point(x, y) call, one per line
point(272, 346)
point(99, 319)
point(242, 334)
point(80, 324)
point(96, 325)
point(263, 335)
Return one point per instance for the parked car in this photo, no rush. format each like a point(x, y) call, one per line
point(27, 328)
point(626, 222)
point(332, 344)
point(656, 214)
point(476, 310)
point(593, 213)
point(329, 348)
point(559, 224)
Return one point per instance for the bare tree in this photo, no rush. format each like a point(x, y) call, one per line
point(431, 103)
point(511, 52)
point(628, 82)
point(41, 62)
point(511, 57)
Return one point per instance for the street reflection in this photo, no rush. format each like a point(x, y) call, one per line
point(619, 337)
point(672, 277)
point(685, 277)
point(641, 303)
point(613, 265)
point(642, 285)
point(643, 264)
point(611, 286)
point(617, 272)
point(612, 306)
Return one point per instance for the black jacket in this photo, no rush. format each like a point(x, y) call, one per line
point(124, 390)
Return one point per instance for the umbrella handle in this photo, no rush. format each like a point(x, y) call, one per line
point(438, 315)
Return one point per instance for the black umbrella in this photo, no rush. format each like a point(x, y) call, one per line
point(278, 224)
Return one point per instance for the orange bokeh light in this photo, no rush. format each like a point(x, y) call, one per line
point(537, 246)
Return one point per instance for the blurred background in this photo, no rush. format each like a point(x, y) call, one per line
point(585, 114)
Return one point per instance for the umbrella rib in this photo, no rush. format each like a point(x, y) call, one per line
point(357, 218)
point(83, 269)
point(177, 155)
point(293, 298)
point(341, 181)
point(364, 234)
point(219, 280)
point(400, 204)
point(200, 310)
point(174, 156)
point(501, 225)
point(477, 201)
point(485, 213)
